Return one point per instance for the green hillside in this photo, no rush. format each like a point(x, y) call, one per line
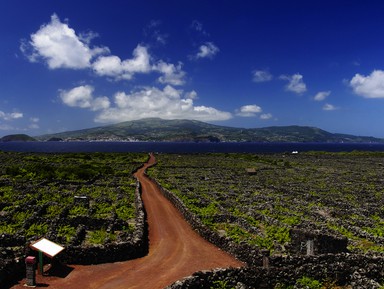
point(156, 129)
point(17, 137)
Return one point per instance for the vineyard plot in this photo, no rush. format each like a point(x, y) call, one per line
point(265, 199)
point(84, 199)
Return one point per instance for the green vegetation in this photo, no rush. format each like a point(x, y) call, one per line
point(307, 282)
point(156, 129)
point(52, 194)
point(100, 237)
point(258, 199)
point(221, 284)
point(66, 231)
point(17, 137)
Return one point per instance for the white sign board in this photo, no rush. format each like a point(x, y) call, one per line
point(47, 247)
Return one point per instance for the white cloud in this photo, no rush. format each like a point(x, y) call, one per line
point(266, 116)
point(88, 36)
point(252, 110)
point(153, 102)
point(60, 47)
point(171, 74)
point(329, 107)
point(295, 83)
point(320, 96)
point(249, 110)
point(261, 76)
point(10, 116)
point(140, 61)
point(112, 66)
point(191, 95)
point(82, 96)
point(371, 86)
point(207, 50)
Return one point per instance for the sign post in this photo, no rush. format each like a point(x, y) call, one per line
point(41, 264)
point(46, 247)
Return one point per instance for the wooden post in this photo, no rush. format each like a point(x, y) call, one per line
point(41, 265)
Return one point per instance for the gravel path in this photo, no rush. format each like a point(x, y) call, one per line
point(175, 251)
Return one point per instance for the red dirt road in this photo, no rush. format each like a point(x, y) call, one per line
point(175, 251)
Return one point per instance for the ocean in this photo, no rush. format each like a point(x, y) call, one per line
point(186, 147)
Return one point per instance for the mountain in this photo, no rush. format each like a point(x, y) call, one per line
point(17, 137)
point(156, 129)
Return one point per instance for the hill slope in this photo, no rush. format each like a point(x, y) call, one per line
point(156, 129)
point(17, 137)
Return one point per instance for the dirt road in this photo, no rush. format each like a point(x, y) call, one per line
point(175, 251)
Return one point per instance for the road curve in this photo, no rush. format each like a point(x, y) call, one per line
point(175, 251)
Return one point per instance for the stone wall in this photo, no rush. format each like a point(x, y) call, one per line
point(134, 246)
point(322, 243)
point(244, 252)
point(330, 261)
point(128, 247)
point(356, 271)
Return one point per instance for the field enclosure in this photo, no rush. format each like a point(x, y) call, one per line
point(84, 200)
point(258, 203)
point(265, 199)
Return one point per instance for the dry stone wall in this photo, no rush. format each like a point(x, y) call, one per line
point(243, 252)
point(134, 246)
point(129, 246)
point(355, 271)
point(330, 261)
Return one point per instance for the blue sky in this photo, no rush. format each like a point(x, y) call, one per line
point(67, 65)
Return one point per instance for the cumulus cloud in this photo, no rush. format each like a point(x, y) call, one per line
point(168, 103)
point(171, 74)
point(249, 110)
point(82, 96)
point(329, 107)
point(370, 86)
point(60, 47)
point(261, 76)
point(10, 116)
point(206, 50)
point(295, 83)
point(192, 95)
point(252, 110)
point(322, 95)
point(113, 66)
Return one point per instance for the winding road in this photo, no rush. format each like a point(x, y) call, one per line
point(175, 251)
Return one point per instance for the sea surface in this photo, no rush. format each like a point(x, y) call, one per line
point(186, 147)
